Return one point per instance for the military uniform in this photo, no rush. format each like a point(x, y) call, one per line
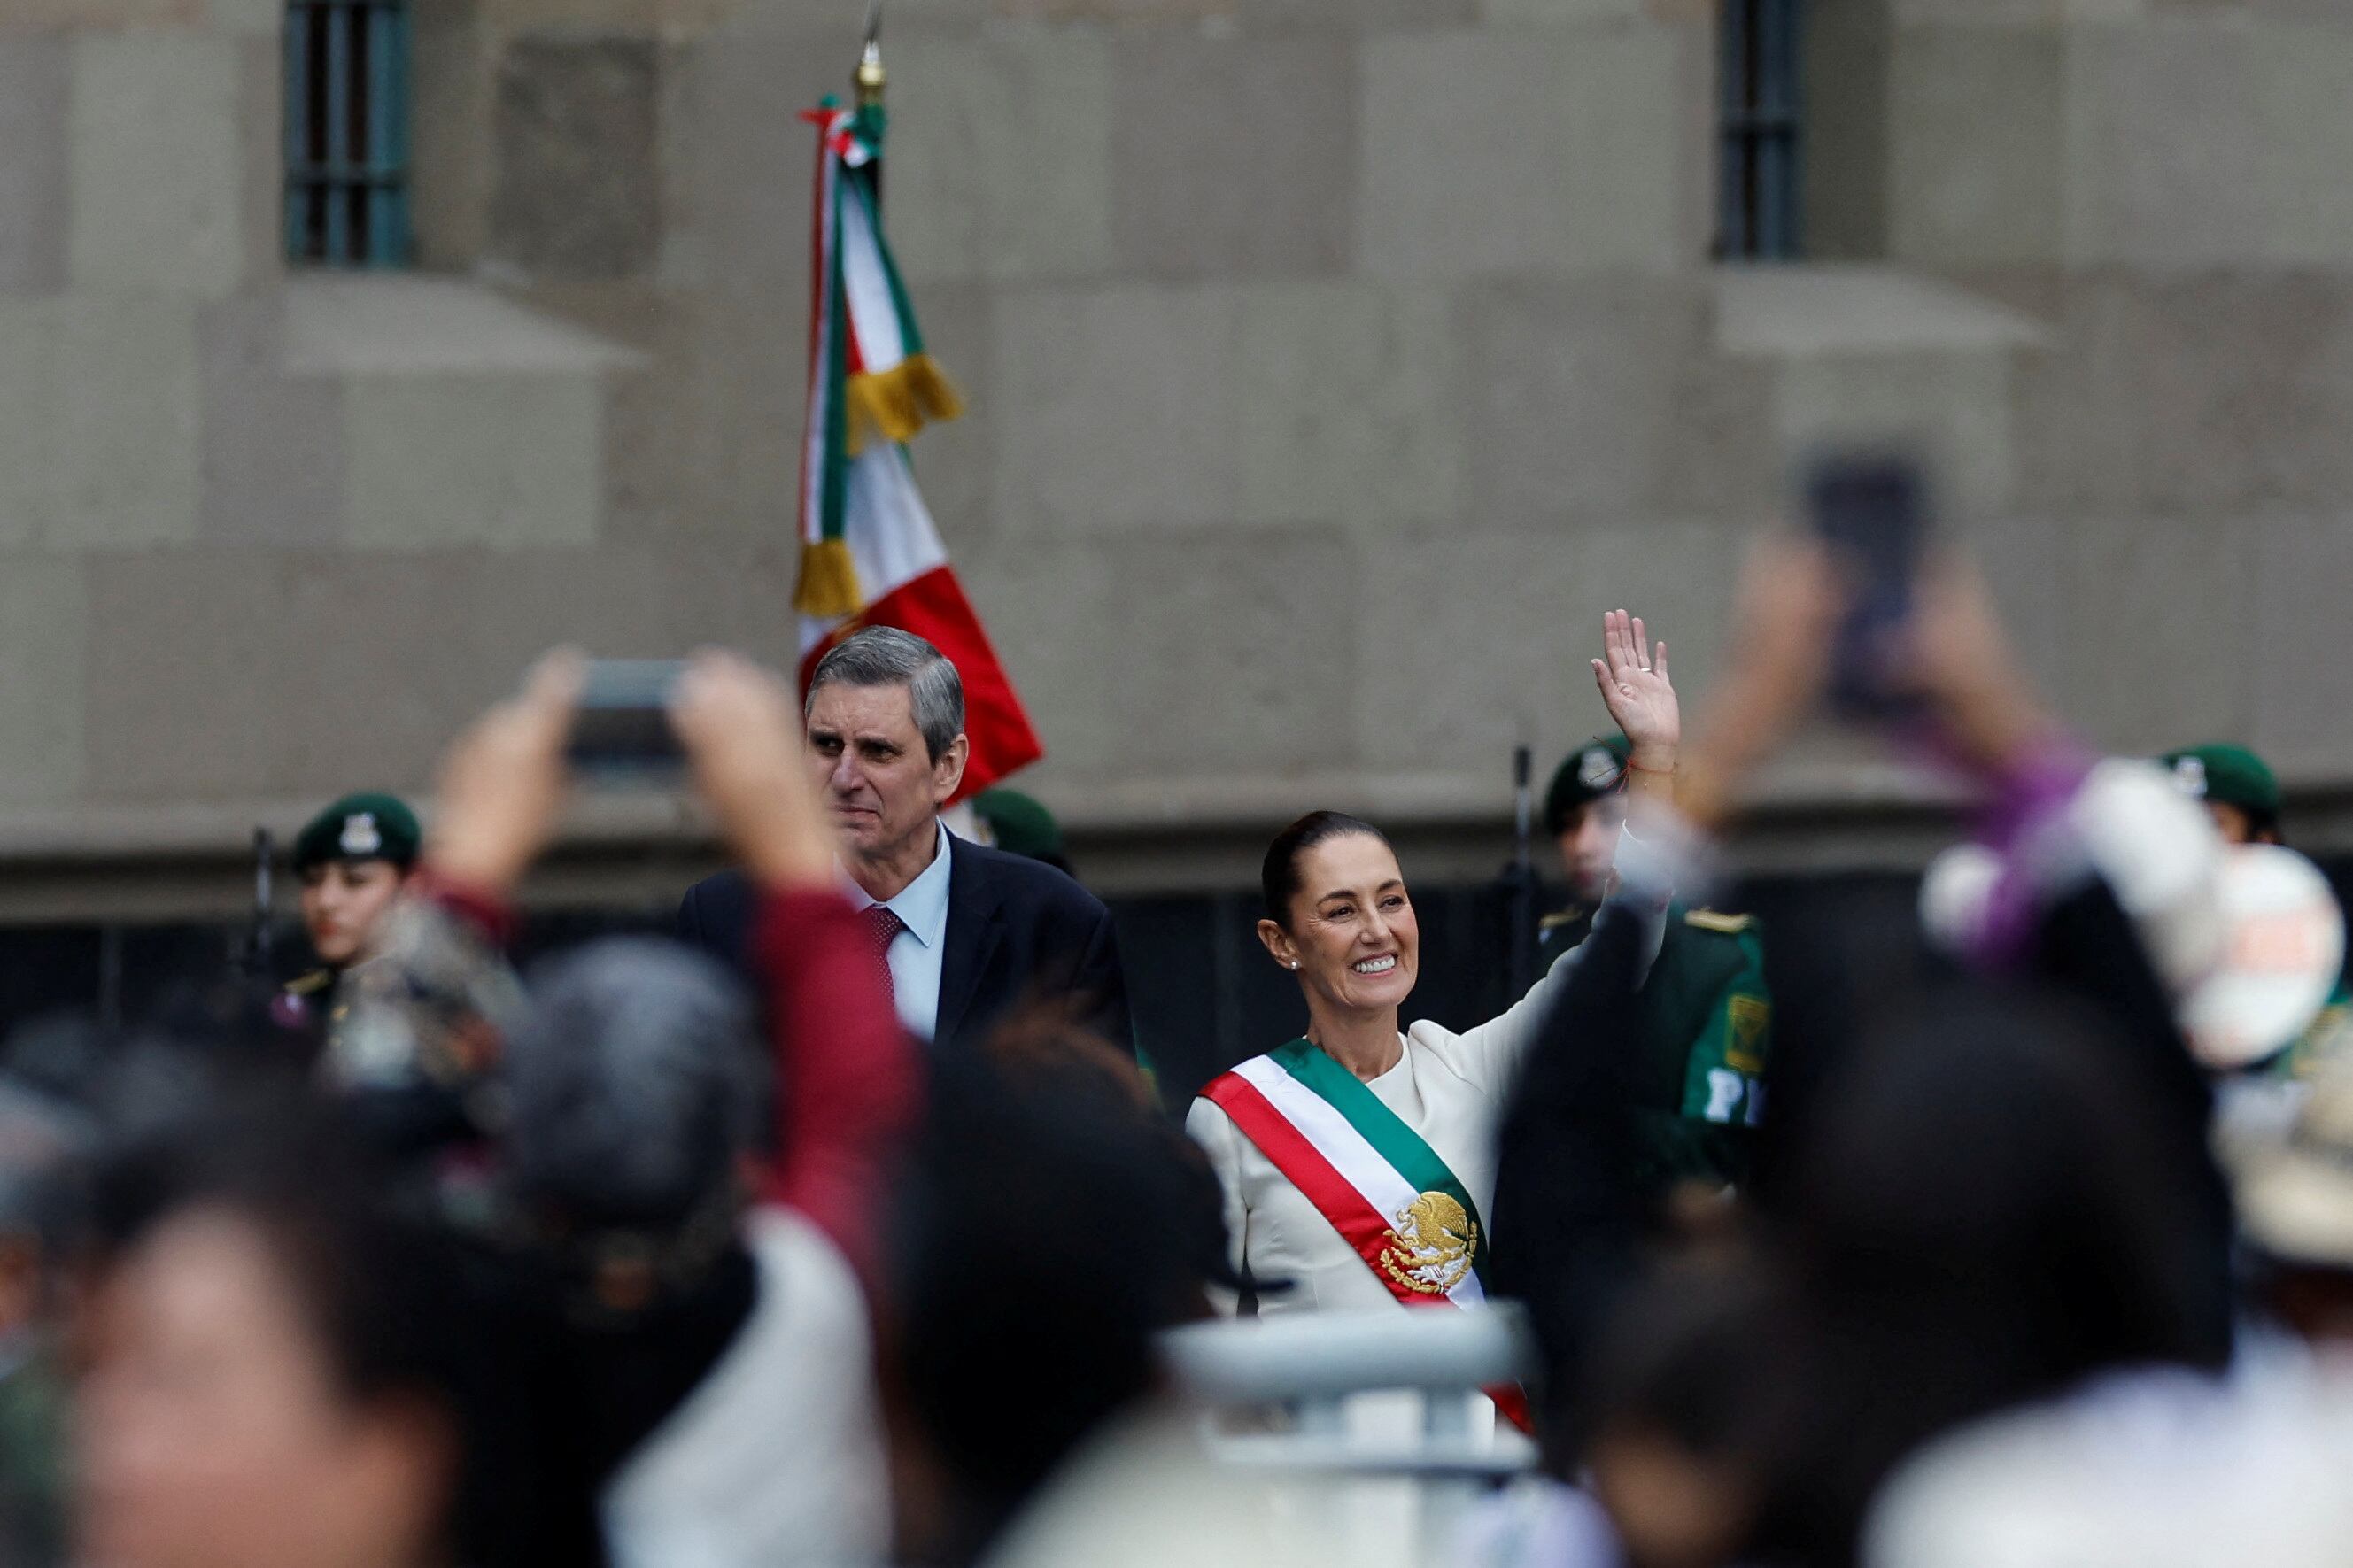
point(33, 1401)
point(1018, 825)
point(367, 827)
point(1707, 1015)
point(2233, 775)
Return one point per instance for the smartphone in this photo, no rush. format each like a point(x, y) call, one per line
point(623, 724)
point(1871, 509)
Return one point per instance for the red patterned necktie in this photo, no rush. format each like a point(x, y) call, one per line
point(882, 923)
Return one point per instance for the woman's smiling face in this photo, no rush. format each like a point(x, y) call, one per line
point(1350, 932)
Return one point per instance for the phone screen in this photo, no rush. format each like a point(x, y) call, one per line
point(624, 719)
point(1872, 512)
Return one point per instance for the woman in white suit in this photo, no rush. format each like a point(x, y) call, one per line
point(1358, 1163)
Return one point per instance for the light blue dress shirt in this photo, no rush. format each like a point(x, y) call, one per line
point(916, 952)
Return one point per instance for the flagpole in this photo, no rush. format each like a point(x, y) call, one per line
point(870, 78)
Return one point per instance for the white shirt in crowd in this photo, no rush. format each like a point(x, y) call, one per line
point(776, 1460)
point(2161, 1468)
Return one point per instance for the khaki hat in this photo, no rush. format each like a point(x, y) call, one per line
point(2296, 1196)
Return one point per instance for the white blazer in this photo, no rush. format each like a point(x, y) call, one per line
point(1447, 1087)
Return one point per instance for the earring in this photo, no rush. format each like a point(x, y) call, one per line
point(1294, 963)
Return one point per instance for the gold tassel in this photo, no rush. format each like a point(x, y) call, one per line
point(829, 584)
point(899, 401)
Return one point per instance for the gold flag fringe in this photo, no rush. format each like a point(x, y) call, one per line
point(829, 584)
point(899, 401)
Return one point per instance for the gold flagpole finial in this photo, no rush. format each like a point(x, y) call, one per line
point(870, 76)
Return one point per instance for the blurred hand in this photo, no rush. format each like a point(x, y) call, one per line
point(1785, 615)
point(1957, 657)
point(1633, 676)
point(1785, 620)
point(502, 782)
point(741, 733)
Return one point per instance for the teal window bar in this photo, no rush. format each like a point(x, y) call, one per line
point(347, 132)
point(1761, 132)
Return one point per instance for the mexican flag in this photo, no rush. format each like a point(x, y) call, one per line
point(870, 554)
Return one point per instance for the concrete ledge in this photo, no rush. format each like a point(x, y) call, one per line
point(346, 325)
point(1828, 311)
point(627, 849)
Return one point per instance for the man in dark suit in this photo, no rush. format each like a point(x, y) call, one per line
point(968, 933)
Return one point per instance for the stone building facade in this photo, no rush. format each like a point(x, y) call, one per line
point(1332, 364)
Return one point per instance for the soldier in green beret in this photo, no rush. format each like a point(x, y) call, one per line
point(1018, 825)
point(352, 859)
point(2241, 793)
point(2238, 787)
point(1707, 1015)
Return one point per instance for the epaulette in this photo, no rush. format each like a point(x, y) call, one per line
point(1722, 924)
point(1565, 917)
point(310, 984)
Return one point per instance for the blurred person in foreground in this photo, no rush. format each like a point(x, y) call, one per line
point(2150, 1469)
point(716, 1315)
point(1707, 1012)
point(1985, 1191)
point(967, 932)
point(1050, 1226)
point(288, 1369)
point(42, 1145)
point(2241, 793)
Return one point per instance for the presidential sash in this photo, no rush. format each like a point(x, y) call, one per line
point(1378, 1183)
point(1384, 1189)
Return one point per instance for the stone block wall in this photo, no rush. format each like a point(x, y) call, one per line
point(1332, 364)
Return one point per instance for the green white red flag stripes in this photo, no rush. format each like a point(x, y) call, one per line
point(1378, 1183)
point(1383, 1188)
point(870, 553)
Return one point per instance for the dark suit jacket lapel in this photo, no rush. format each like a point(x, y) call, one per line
point(973, 933)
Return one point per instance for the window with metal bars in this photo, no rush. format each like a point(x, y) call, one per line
point(347, 132)
point(1756, 176)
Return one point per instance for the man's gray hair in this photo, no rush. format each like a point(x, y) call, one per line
point(885, 655)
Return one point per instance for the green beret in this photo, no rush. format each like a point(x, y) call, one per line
point(1018, 825)
point(2228, 775)
point(1595, 769)
point(359, 827)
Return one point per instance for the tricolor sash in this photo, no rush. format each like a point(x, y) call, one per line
point(1384, 1188)
point(1379, 1181)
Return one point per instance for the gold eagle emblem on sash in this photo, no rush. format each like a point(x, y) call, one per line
point(1430, 1244)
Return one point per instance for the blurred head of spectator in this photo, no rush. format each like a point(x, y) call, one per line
point(637, 1089)
point(283, 1370)
point(2236, 786)
point(353, 858)
point(1049, 1224)
point(636, 1085)
point(1688, 1395)
point(885, 712)
point(1584, 806)
point(1981, 1213)
point(1018, 825)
